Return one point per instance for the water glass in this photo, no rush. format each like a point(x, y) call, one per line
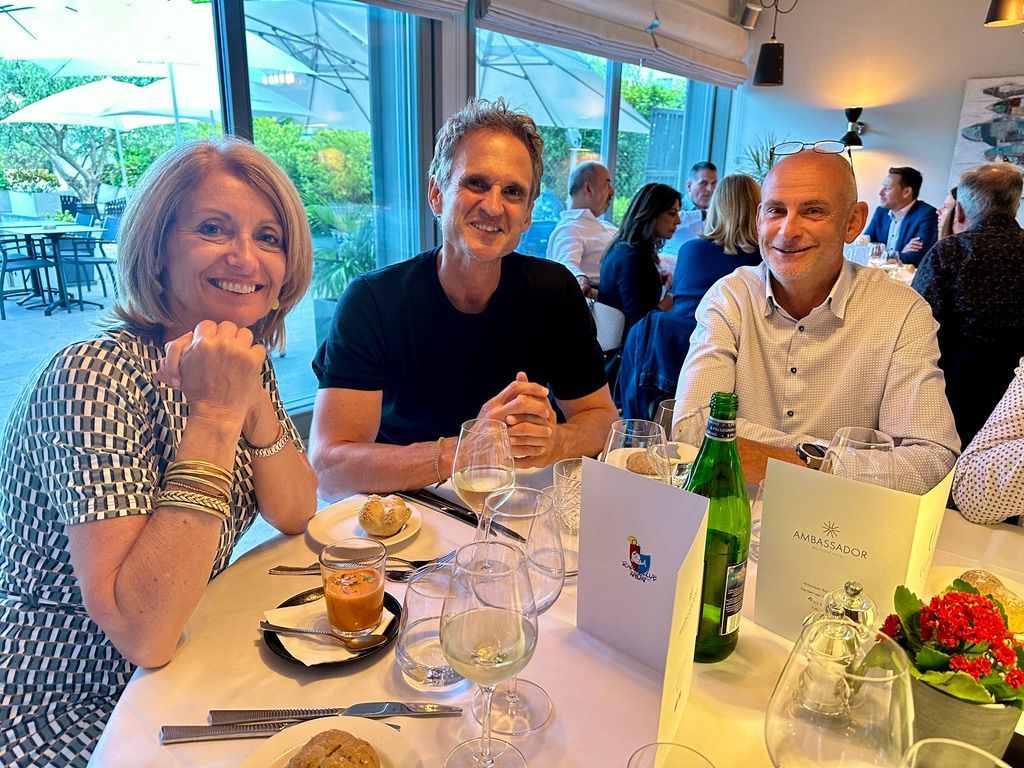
point(418, 647)
point(861, 454)
point(946, 753)
point(629, 441)
point(667, 755)
point(353, 575)
point(566, 493)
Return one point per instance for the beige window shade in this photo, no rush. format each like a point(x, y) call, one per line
point(432, 9)
point(689, 41)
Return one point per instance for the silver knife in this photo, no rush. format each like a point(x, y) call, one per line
point(457, 511)
point(371, 709)
point(178, 734)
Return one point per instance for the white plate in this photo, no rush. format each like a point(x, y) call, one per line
point(392, 748)
point(941, 576)
point(340, 521)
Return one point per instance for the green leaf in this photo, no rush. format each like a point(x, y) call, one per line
point(959, 685)
point(959, 585)
point(906, 604)
point(929, 658)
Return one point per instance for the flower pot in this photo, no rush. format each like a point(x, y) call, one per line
point(939, 715)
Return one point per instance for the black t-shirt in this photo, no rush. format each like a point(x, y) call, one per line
point(395, 330)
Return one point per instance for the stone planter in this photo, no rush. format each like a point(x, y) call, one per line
point(939, 715)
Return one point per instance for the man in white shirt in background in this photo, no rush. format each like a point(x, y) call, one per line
point(580, 238)
point(700, 186)
point(812, 343)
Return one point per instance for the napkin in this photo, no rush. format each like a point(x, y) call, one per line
point(310, 649)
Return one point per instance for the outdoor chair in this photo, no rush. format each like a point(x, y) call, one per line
point(32, 273)
point(115, 207)
point(89, 208)
point(80, 264)
point(69, 203)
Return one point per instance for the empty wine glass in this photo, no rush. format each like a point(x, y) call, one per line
point(483, 461)
point(861, 454)
point(524, 517)
point(947, 753)
point(488, 634)
point(684, 433)
point(667, 755)
point(842, 699)
point(628, 443)
point(566, 493)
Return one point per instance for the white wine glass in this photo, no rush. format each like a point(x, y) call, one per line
point(684, 433)
point(483, 461)
point(947, 753)
point(488, 634)
point(862, 454)
point(524, 517)
point(842, 699)
point(628, 445)
point(664, 754)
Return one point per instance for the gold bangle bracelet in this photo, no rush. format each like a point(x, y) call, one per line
point(198, 464)
point(194, 500)
point(437, 461)
point(199, 486)
point(199, 476)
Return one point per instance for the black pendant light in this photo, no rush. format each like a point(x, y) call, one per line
point(771, 59)
point(1005, 13)
point(853, 128)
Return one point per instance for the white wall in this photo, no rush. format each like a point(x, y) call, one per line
point(904, 61)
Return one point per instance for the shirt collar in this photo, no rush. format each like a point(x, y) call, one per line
point(836, 300)
point(578, 213)
point(902, 212)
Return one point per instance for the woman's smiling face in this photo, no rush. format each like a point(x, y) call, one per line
point(223, 257)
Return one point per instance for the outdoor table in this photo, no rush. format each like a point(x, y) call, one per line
point(606, 704)
point(54, 233)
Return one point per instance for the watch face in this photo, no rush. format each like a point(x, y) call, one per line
point(810, 454)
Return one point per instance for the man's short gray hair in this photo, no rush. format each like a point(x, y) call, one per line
point(583, 173)
point(478, 115)
point(988, 189)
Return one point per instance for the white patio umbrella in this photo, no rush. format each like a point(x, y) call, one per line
point(555, 86)
point(84, 105)
point(196, 97)
point(168, 39)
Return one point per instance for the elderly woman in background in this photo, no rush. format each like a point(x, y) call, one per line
point(989, 483)
point(729, 241)
point(135, 461)
point(630, 276)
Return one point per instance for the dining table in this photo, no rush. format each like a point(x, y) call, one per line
point(36, 235)
point(606, 704)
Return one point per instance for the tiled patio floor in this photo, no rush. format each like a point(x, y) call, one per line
point(28, 338)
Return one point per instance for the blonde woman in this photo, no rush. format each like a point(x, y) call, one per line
point(134, 462)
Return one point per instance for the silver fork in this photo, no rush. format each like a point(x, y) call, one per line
point(313, 569)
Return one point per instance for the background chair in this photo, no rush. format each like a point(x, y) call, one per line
point(115, 207)
point(69, 203)
point(31, 271)
point(81, 261)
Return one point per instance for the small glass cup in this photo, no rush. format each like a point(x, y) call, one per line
point(568, 478)
point(418, 647)
point(353, 574)
point(667, 755)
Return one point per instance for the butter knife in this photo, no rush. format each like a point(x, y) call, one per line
point(179, 734)
point(371, 709)
point(457, 511)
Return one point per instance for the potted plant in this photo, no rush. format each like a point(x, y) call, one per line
point(967, 667)
point(32, 191)
point(757, 158)
point(350, 251)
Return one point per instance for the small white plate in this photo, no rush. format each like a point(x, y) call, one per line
point(941, 576)
point(391, 747)
point(340, 521)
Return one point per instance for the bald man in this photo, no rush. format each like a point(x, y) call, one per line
point(811, 342)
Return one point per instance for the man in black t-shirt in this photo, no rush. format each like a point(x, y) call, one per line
point(468, 330)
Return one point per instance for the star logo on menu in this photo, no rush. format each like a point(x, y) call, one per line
point(830, 529)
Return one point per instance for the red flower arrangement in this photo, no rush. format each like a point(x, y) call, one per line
point(959, 644)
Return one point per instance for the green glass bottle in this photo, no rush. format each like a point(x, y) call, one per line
point(718, 476)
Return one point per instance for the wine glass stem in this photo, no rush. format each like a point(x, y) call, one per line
point(512, 696)
point(486, 760)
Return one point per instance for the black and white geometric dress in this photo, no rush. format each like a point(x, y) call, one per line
point(90, 440)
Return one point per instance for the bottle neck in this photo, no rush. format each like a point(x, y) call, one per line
point(721, 430)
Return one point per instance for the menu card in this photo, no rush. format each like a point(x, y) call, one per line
point(640, 567)
point(819, 531)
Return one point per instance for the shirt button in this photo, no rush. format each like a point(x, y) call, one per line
point(789, 413)
point(792, 370)
point(800, 328)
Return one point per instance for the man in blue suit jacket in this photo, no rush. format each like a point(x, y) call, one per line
point(901, 221)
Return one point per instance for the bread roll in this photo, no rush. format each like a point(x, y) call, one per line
point(640, 463)
point(335, 749)
point(383, 516)
point(988, 584)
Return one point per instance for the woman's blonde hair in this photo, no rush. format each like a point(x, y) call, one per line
point(143, 303)
point(732, 214)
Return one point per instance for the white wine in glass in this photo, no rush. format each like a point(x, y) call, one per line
point(483, 462)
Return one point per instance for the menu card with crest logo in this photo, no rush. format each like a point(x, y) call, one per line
point(819, 531)
point(640, 567)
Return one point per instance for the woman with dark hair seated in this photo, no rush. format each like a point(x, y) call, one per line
point(630, 278)
point(134, 462)
point(948, 225)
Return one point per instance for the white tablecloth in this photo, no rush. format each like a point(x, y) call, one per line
point(606, 704)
